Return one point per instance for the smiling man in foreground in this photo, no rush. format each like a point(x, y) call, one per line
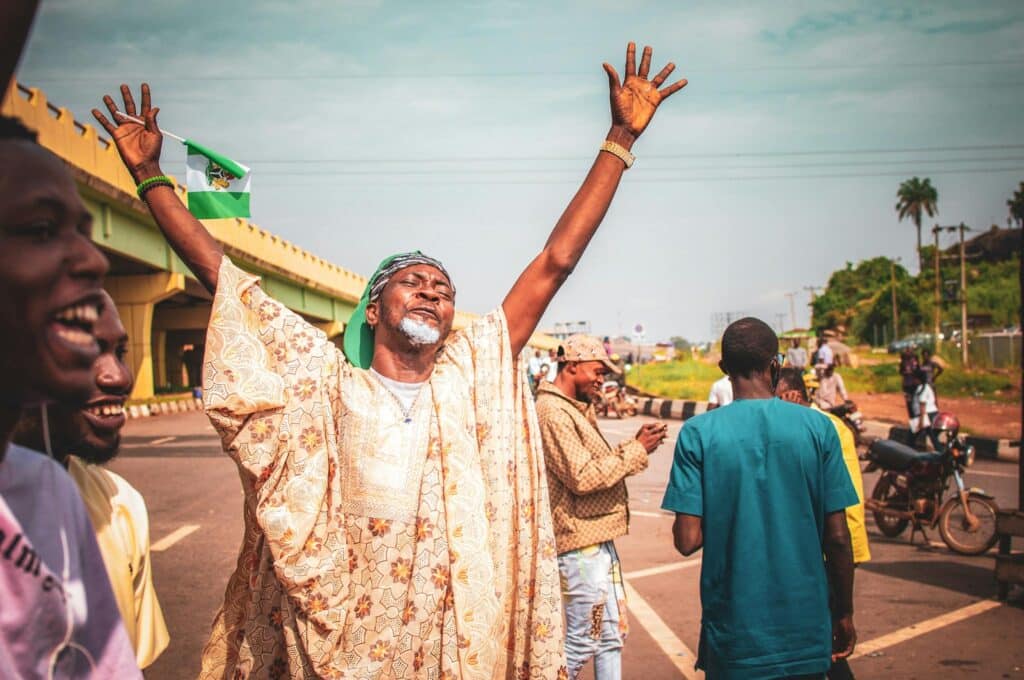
point(82, 439)
point(396, 509)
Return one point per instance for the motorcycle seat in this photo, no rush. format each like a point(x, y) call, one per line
point(892, 455)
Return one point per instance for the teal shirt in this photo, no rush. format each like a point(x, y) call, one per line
point(762, 474)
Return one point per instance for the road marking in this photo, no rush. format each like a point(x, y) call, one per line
point(678, 653)
point(662, 569)
point(923, 627)
point(993, 474)
point(173, 537)
point(162, 440)
point(644, 513)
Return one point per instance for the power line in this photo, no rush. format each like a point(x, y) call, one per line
point(683, 155)
point(724, 168)
point(376, 75)
point(663, 180)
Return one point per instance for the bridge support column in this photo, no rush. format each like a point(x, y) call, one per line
point(135, 297)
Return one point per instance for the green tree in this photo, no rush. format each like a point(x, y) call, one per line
point(916, 197)
point(681, 344)
point(1016, 205)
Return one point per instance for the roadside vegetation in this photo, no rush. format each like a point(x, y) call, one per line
point(876, 374)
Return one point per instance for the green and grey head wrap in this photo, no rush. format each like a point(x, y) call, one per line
point(358, 340)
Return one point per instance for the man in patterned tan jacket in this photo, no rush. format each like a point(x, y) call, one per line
point(586, 479)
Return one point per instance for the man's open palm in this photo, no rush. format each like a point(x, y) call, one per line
point(139, 145)
point(635, 101)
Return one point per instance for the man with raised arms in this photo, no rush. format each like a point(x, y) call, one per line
point(395, 501)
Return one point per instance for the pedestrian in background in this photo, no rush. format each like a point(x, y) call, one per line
point(796, 356)
point(823, 356)
point(762, 487)
point(82, 439)
point(720, 394)
point(589, 504)
point(931, 367)
point(909, 377)
point(535, 370)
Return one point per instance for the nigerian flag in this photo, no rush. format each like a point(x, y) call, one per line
point(217, 186)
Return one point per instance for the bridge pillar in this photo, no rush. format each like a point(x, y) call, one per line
point(135, 297)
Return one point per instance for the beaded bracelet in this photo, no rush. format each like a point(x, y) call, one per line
point(155, 181)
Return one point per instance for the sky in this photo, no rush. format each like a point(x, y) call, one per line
point(464, 128)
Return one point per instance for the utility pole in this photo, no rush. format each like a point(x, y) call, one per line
point(964, 356)
point(792, 309)
point(938, 292)
point(895, 309)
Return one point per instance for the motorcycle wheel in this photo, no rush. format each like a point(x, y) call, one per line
point(958, 537)
point(887, 524)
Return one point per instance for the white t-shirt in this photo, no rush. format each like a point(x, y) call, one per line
point(825, 355)
point(535, 366)
point(925, 396)
point(58, 613)
point(721, 392)
point(405, 393)
point(552, 371)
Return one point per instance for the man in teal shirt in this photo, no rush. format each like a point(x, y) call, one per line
point(762, 487)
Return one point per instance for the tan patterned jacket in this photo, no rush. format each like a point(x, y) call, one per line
point(586, 475)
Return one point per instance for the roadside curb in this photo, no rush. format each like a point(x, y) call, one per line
point(986, 448)
point(159, 408)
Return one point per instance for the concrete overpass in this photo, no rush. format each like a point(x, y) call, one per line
point(162, 305)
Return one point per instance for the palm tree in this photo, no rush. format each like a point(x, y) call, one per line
point(917, 196)
point(1016, 205)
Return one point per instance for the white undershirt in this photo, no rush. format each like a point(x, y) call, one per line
point(405, 392)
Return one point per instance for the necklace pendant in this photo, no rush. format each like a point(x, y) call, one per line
point(407, 420)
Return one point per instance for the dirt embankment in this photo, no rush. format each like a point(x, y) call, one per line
point(977, 416)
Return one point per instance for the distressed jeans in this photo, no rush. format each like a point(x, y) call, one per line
point(594, 603)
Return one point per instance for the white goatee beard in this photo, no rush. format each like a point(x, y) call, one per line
point(418, 332)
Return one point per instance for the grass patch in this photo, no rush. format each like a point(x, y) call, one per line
point(675, 379)
point(693, 380)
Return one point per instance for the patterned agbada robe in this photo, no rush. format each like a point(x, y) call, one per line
point(378, 545)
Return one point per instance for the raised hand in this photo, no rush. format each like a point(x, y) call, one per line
point(635, 101)
point(139, 145)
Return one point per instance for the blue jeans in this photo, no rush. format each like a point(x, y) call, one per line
point(593, 599)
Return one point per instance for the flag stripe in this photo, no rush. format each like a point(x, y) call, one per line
point(212, 205)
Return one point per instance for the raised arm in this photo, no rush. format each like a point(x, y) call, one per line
point(633, 103)
point(139, 146)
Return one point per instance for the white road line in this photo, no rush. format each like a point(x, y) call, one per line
point(644, 513)
point(162, 440)
point(993, 474)
point(662, 569)
point(173, 537)
point(678, 653)
point(923, 627)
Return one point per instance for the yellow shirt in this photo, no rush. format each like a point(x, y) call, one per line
point(854, 513)
point(119, 517)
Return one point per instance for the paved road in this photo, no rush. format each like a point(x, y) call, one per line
point(922, 612)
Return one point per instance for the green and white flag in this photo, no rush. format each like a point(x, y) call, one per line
point(218, 187)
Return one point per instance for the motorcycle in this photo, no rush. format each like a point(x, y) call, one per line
point(852, 418)
point(913, 490)
point(613, 397)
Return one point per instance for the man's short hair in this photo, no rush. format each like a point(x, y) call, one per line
point(791, 378)
point(14, 129)
point(748, 346)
